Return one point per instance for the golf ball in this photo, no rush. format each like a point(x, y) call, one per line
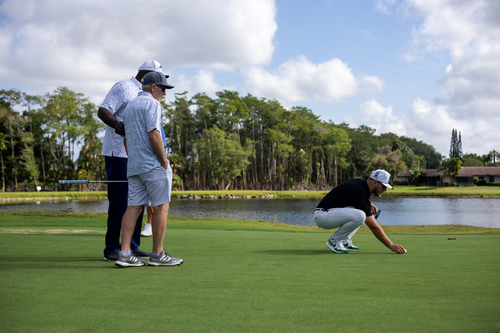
point(405, 251)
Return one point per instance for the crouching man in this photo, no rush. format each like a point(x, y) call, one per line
point(347, 206)
point(148, 171)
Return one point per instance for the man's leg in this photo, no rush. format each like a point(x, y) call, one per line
point(126, 257)
point(128, 226)
point(353, 218)
point(348, 220)
point(159, 224)
point(116, 169)
point(135, 242)
point(159, 184)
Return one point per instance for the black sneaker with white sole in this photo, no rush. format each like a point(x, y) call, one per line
point(141, 254)
point(112, 256)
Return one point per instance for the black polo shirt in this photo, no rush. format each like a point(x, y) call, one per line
point(354, 192)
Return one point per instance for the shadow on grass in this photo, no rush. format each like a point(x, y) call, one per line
point(316, 252)
point(30, 262)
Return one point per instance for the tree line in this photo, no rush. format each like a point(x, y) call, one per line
point(226, 142)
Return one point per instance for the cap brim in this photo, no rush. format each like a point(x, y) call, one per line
point(168, 86)
point(387, 185)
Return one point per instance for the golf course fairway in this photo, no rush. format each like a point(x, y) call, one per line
point(246, 276)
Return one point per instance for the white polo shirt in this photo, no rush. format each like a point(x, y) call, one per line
point(115, 102)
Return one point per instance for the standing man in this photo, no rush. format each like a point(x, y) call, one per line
point(148, 171)
point(115, 156)
point(347, 206)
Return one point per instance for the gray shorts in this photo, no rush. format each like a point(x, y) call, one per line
point(150, 188)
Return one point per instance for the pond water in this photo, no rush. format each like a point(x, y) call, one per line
point(480, 212)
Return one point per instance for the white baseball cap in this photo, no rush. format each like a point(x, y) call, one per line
point(381, 176)
point(151, 65)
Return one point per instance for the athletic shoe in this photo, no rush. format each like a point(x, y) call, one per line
point(129, 261)
point(141, 254)
point(148, 231)
point(164, 259)
point(337, 247)
point(112, 256)
point(348, 245)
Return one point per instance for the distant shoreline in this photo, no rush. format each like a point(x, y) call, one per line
point(399, 192)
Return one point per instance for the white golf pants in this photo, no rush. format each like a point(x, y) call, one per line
point(348, 220)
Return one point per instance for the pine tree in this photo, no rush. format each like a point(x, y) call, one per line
point(453, 143)
point(459, 147)
point(456, 144)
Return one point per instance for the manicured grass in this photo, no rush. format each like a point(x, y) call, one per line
point(473, 191)
point(403, 191)
point(240, 277)
point(52, 195)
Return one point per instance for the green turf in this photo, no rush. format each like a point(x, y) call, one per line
point(240, 277)
point(399, 190)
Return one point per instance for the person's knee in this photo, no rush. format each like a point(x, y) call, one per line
point(134, 211)
point(360, 217)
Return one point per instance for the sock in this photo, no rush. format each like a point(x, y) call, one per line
point(126, 253)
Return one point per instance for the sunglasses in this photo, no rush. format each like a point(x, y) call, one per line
point(162, 88)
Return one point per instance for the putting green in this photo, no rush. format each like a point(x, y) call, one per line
point(53, 279)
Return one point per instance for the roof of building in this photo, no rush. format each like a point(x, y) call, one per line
point(479, 171)
point(464, 172)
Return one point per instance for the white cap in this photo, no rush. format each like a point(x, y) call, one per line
point(381, 176)
point(151, 65)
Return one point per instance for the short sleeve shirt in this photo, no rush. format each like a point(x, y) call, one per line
point(352, 193)
point(115, 102)
point(141, 116)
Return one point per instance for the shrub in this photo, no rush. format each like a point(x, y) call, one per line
point(476, 180)
point(481, 183)
point(492, 184)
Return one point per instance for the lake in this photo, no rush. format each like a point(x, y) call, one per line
point(479, 212)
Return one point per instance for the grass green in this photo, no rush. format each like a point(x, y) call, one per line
point(403, 191)
point(245, 276)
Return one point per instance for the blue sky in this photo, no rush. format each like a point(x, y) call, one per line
point(413, 67)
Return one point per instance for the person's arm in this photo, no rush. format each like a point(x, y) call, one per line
point(107, 117)
point(381, 236)
point(157, 145)
point(374, 209)
point(125, 144)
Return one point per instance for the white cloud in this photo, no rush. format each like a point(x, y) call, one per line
point(433, 124)
point(470, 31)
point(301, 80)
point(92, 44)
point(382, 118)
point(383, 5)
point(202, 82)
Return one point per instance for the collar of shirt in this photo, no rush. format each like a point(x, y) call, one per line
point(145, 93)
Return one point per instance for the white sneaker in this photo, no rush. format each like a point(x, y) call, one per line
point(337, 247)
point(148, 231)
point(349, 246)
